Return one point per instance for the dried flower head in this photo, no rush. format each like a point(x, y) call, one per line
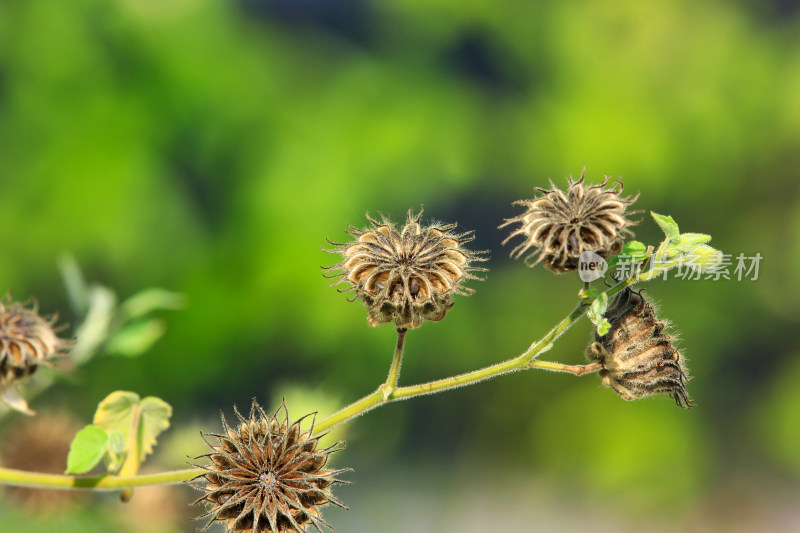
point(406, 275)
point(561, 226)
point(638, 357)
point(266, 475)
point(26, 342)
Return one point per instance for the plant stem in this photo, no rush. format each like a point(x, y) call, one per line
point(21, 478)
point(524, 361)
point(521, 362)
point(577, 370)
point(397, 361)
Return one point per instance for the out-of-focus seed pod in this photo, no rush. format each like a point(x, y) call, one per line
point(27, 341)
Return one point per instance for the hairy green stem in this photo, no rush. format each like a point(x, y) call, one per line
point(21, 478)
point(397, 361)
point(522, 362)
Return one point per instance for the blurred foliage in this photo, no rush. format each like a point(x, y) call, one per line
point(210, 147)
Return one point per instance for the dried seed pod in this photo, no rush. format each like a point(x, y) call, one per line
point(561, 226)
point(266, 475)
point(638, 357)
point(27, 341)
point(406, 275)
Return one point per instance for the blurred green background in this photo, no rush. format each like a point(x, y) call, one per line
point(210, 148)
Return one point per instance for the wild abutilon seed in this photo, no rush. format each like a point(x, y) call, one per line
point(557, 227)
point(267, 475)
point(637, 355)
point(406, 275)
point(27, 341)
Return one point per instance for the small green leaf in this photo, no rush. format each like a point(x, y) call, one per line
point(74, 283)
point(589, 294)
point(116, 442)
point(121, 410)
point(632, 252)
point(93, 331)
point(705, 258)
point(690, 241)
point(87, 449)
point(115, 454)
point(595, 313)
point(155, 419)
point(600, 305)
point(668, 226)
point(149, 300)
point(136, 338)
point(636, 250)
point(116, 411)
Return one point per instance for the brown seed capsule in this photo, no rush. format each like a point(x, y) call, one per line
point(561, 226)
point(406, 275)
point(637, 355)
point(27, 341)
point(266, 475)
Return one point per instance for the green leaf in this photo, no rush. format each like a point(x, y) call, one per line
point(115, 454)
point(136, 338)
point(87, 449)
point(93, 331)
point(668, 226)
point(116, 411)
point(74, 283)
point(632, 252)
point(139, 421)
point(603, 326)
point(636, 250)
point(633, 247)
point(116, 442)
point(690, 241)
point(705, 258)
point(595, 313)
point(155, 419)
point(149, 300)
point(600, 305)
point(589, 294)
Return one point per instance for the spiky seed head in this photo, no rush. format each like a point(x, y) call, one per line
point(560, 226)
point(637, 355)
point(267, 475)
point(26, 341)
point(406, 275)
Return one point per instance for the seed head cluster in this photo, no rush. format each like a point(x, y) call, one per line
point(406, 275)
point(638, 357)
point(560, 226)
point(26, 341)
point(266, 475)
